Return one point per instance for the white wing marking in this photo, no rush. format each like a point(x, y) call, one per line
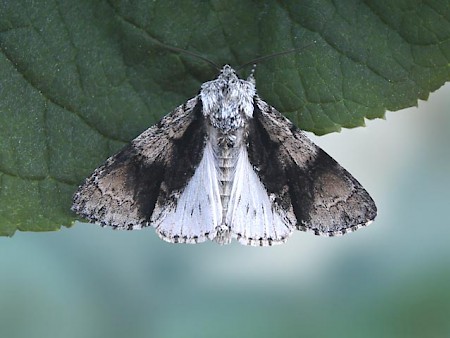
point(251, 215)
point(198, 210)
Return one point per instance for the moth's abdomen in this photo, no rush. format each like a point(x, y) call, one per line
point(226, 159)
point(225, 147)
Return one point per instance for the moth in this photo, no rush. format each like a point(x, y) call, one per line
point(225, 165)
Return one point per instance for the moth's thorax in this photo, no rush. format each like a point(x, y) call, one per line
point(228, 101)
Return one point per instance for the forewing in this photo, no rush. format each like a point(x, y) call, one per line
point(124, 192)
point(306, 182)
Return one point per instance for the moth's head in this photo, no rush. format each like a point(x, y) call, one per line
point(229, 74)
point(228, 85)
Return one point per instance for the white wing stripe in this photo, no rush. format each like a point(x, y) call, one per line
point(251, 215)
point(198, 210)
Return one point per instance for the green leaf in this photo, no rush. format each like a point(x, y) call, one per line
point(78, 79)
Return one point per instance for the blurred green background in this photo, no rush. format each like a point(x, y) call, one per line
point(391, 279)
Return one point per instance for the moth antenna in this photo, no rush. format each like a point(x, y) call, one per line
point(187, 52)
point(270, 56)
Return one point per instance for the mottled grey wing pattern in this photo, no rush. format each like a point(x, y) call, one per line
point(308, 184)
point(125, 191)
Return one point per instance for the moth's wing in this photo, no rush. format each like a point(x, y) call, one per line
point(145, 178)
point(305, 181)
point(251, 215)
point(194, 212)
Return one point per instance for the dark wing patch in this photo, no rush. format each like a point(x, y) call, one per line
point(307, 182)
point(264, 155)
point(124, 191)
